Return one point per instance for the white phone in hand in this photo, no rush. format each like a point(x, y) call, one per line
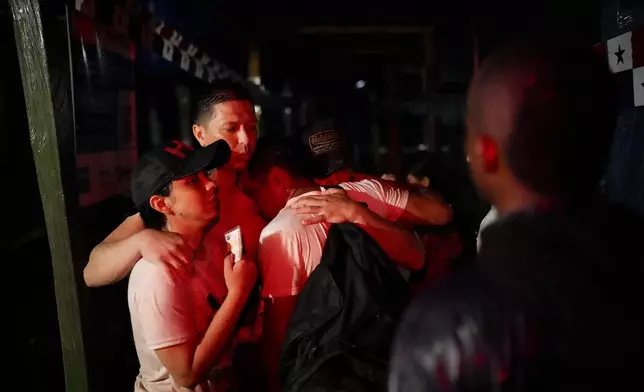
point(234, 239)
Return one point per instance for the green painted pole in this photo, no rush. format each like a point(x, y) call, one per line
point(30, 45)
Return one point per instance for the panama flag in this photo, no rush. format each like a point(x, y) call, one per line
point(638, 86)
point(620, 53)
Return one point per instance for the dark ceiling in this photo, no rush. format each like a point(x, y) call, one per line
point(227, 27)
point(277, 17)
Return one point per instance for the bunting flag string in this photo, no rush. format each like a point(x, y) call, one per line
point(146, 29)
point(625, 56)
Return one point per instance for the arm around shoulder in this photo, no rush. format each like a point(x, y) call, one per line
point(112, 259)
point(426, 209)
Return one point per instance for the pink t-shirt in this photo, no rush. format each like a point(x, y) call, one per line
point(289, 251)
point(166, 312)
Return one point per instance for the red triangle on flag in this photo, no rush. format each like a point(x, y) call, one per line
point(600, 49)
point(166, 32)
point(183, 45)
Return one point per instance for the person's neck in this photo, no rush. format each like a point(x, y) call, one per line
point(227, 181)
point(302, 187)
point(518, 199)
point(192, 231)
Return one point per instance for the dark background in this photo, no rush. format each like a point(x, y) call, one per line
point(316, 51)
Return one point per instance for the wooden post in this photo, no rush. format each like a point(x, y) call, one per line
point(30, 44)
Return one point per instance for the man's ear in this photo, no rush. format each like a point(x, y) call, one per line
point(200, 134)
point(488, 152)
point(161, 204)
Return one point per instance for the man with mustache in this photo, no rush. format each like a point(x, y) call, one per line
point(225, 113)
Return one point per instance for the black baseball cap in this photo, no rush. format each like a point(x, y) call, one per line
point(161, 166)
point(327, 147)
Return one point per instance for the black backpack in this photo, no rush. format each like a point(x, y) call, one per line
point(340, 333)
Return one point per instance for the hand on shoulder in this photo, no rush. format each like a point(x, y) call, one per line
point(164, 248)
point(331, 205)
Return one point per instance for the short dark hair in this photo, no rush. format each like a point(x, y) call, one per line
point(286, 153)
point(218, 92)
point(565, 120)
point(153, 219)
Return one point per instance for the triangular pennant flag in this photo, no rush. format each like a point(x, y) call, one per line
point(638, 86)
point(211, 74)
point(168, 50)
point(600, 49)
point(620, 53)
point(165, 31)
point(185, 61)
point(176, 39)
point(159, 27)
point(637, 43)
point(192, 50)
point(184, 44)
point(199, 69)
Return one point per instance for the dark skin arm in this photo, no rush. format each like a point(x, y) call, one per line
point(426, 209)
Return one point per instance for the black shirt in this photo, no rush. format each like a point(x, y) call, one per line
point(554, 302)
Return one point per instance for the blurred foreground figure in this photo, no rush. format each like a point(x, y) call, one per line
point(553, 302)
point(491, 217)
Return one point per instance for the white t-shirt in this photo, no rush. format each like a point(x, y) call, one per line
point(167, 312)
point(289, 251)
point(489, 219)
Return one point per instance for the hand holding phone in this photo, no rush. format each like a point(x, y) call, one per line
point(234, 239)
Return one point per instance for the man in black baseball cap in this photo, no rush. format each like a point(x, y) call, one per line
point(226, 113)
point(328, 148)
point(155, 172)
point(330, 151)
point(183, 323)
